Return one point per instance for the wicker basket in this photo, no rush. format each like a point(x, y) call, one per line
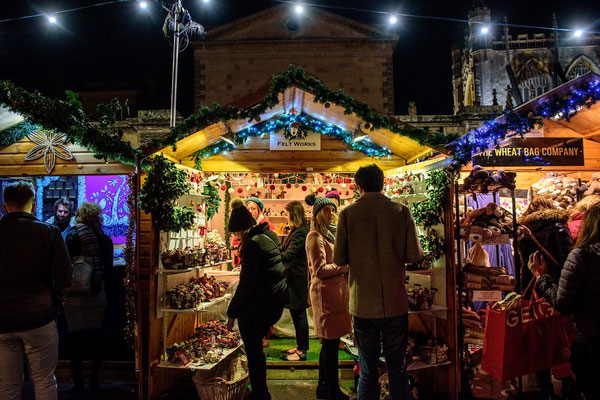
point(228, 381)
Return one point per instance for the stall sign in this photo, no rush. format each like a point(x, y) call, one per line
point(487, 295)
point(538, 152)
point(312, 142)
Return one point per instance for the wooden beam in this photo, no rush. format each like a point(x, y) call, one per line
point(298, 102)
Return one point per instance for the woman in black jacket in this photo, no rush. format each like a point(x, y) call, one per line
point(84, 309)
point(549, 226)
point(578, 294)
point(296, 274)
point(261, 294)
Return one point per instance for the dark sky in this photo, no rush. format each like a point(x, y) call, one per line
point(118, 46)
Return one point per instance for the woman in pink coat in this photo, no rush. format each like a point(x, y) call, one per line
point(329, 295)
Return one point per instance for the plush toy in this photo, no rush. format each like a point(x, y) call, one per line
point(478, 233)
point(506, 178)
point(477, 175)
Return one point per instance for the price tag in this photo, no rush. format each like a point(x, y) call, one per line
point(500, 239)
point(487, 295)
point(183, 357)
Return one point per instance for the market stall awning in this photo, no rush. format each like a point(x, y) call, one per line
point(254, 155)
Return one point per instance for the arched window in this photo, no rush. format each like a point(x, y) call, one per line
point(580, 66)
point(534, 79)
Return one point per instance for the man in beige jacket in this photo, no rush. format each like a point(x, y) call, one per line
point(376, 237)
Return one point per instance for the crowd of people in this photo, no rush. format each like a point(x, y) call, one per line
point(348, 267)
point(52, 279)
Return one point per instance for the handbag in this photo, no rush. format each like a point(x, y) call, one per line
point(530, 337)
point(82, 276)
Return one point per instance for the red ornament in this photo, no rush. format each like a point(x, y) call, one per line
point(351, 187)
point(272, 187)
point(320, 190)
point(347, 180)
point(255, 184)
point(347, 193)
point(289, 186)
point(240, 190)
point(223, 187)
point(304, 188)
point(338, 180)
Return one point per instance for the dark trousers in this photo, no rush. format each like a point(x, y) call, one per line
point(585, 358)
point(253, 328)
point(301, 326)
point(328, 366)
point(370, 334)
point(85, 345)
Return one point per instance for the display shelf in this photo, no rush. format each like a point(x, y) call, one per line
point(196, 195)
point(417, 365)
point(201, 308)
point(176, 271)
point(433, 309)
point(421, 271)
point(199, 365)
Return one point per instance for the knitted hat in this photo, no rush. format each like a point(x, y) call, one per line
point(240, 219)
point(256, 200)
point(333, 194)
point(318, 203)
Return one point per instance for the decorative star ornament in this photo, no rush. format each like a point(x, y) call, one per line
point(49, 145)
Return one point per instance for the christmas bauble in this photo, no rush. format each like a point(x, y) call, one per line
point(320, 190)
point(289, 186)
point(231, 190)
point(328, 188)
point(223, 187)
point(352, 187)
point(312, 190)
point(240, 190)
point(338, 180)
point(344, 186)
point(304, 188)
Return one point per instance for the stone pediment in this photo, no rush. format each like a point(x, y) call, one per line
point(281, 23)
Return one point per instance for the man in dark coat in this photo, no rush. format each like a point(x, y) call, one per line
point(35, 274)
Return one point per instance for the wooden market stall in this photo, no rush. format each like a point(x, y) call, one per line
point(559, 158)
point(59, 168)
point(243, 146)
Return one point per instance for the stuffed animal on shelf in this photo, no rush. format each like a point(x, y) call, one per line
point(486, 222)
point(281, 195)
point(256, 194)
point(477, 175)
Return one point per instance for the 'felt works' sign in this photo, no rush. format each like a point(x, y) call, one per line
point(542, 152)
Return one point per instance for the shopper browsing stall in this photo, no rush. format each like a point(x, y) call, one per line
point(262, 291)
point(376, 237)
point(576, 294)
point(296, 273)
point(92, 254)
point(328, 295)
point(578, 211)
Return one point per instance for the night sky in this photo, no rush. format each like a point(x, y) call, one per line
point(119, 47)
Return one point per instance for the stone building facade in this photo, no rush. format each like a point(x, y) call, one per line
point(239, 57)
point(531, 64)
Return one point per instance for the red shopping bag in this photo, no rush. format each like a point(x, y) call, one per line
point(525, 339)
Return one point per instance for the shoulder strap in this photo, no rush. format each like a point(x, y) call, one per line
point(544, 250)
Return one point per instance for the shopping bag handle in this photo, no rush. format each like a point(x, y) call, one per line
point(533, 292)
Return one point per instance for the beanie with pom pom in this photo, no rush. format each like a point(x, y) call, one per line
point(318, 203)
point(240, 219)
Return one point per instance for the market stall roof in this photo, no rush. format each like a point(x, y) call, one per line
point(586, 123)
point(255, 155)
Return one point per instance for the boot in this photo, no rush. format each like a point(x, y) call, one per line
point(322, 392)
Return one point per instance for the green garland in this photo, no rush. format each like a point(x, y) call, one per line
point(164, 184)
point(102, 138)
point(129, 253)
point(17, 132)
point(279, 83)
point(213, 201)
point(429, 212)
point(227, 211)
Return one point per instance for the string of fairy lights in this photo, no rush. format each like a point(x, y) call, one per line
point(56, 17)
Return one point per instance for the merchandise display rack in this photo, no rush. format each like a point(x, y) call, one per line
point(197, 366)
point(462, 248)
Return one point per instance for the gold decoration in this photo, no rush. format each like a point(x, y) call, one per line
point(49, 145)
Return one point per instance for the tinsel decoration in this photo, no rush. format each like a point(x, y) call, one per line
point(213, 201)
point(227, 211)
point(129, 254)
point(17, 132)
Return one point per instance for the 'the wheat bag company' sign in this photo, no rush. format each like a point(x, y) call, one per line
point(538, 152)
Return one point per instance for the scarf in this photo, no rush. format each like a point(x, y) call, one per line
point(90, 248)
point(331, 231)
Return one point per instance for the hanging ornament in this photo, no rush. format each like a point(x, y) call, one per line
point(304, 188)
point(240, 190)
point(230, 190)
point(338, 180)
point(344, 186)
point(223, 187)
point(272, 187)
point(255, 184)
point(296, 186)
point(328, 188)
point(351, 187)
point(281, 187)
point(347, 180)
point(320, 190)
point(312, 190)
point(276, 175)
point(347, 193)
point(248, 188)
point(289, 186)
